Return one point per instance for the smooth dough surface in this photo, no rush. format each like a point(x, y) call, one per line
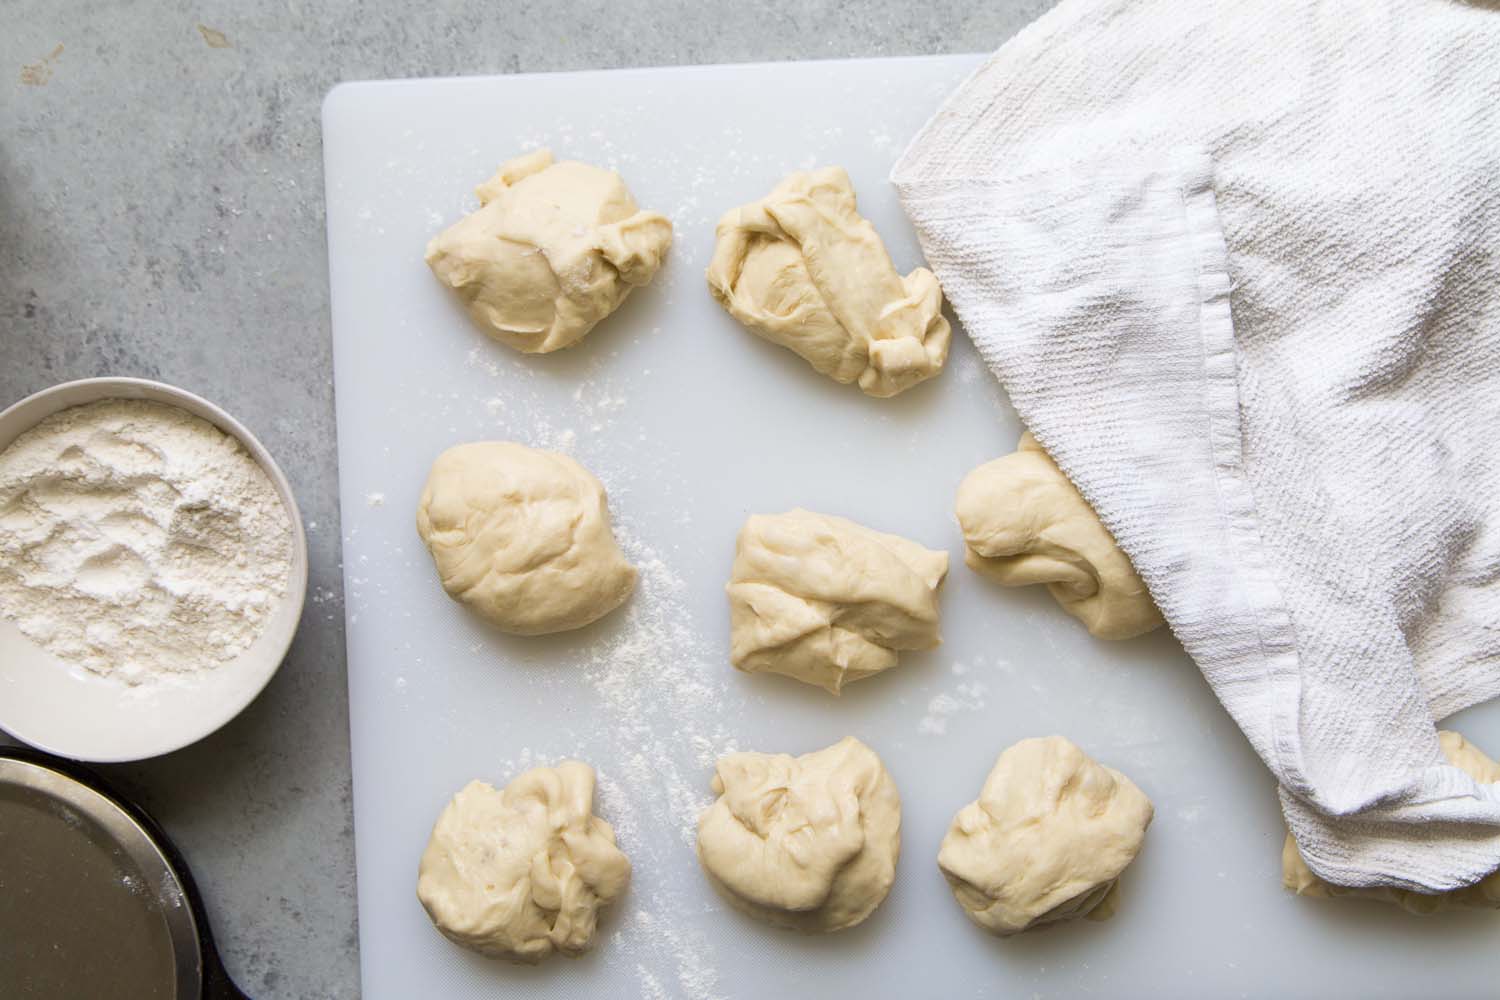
point(803, 269)
point(1484, 894)
point(521, 873)
point(827, 601)
point(805, 842)
point(1025, 523)
point(553, 249)
point(1046, 840)
point(522, 537)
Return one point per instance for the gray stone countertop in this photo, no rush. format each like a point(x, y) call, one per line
point(161, 215)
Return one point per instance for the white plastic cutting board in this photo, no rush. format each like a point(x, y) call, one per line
point(693, 423)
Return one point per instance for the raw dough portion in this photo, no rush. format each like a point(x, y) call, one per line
point(828, 601)
point(522, 537)
point(804, 842)
point(521, 873)
point(1024, 523)
point(1047, 839)
point(1484, 894)
point(553, 249)
point(801, 268)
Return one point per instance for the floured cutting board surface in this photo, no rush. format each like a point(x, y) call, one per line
point(693, 423)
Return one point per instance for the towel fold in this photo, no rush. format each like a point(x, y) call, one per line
point(1238, 267)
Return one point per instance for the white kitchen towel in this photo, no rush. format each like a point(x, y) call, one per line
point(1238, 265)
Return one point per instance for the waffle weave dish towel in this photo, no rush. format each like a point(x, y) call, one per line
point(1238, 266)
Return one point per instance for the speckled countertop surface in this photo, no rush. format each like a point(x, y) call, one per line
point(161, 215)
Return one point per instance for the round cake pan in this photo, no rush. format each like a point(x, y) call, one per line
point(66, 710)
point(98, 902)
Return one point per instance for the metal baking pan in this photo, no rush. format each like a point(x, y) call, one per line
point(95, 901)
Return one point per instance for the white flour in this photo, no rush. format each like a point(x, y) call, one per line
point(138, 541)
point(660, 701)
point(968, 696)
point(662, 698)
point(661, 695)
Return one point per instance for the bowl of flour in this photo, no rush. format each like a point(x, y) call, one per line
point(153, 568)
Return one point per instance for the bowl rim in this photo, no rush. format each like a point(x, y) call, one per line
point(100, 388)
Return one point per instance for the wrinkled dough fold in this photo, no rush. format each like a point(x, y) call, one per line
point(827, 601)
point(554, 248)
point(803, 269)
point(522, 537)
point(521, 873)
point(1024, 523)
point(1046, 840)
point(805, 842)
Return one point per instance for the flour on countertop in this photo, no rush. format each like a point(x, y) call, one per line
point(662, 693)
point(653, 746)
point(651, 988)
point(660, 697)
point(661, 689)
point(966, 697)
point(139, 541)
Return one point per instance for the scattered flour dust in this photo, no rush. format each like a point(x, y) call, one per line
point(653, 749)
point(138, 540)
point(479, 358)
point(663, 689)
point(663, 694)
point(967, 696)
point(651, 988)
point(596, 403)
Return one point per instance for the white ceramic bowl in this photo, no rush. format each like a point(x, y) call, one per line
point(63, 709)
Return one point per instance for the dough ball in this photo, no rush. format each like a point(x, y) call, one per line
point(553, 249)
point(1484, 894)
point(1024, 523)
point(1047, 839)
point(804, 842)
point(522, 537)
point(522, 873)
point(801, 268)
point(828, 601)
